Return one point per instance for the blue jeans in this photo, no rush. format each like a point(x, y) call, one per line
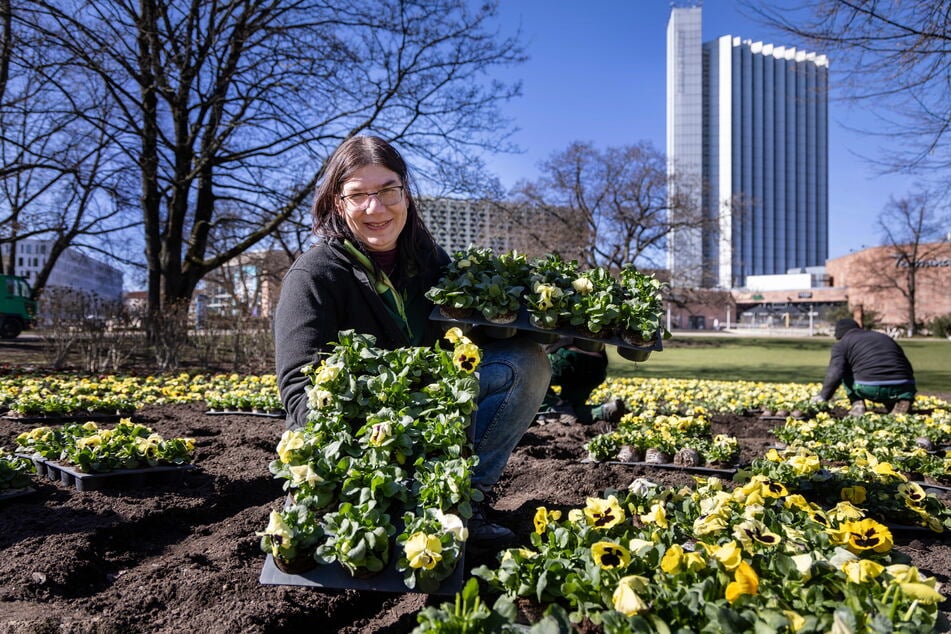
point(513, 377)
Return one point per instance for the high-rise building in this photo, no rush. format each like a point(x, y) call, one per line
point(747, 143)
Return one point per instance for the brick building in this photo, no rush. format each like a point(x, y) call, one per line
point(878, 279)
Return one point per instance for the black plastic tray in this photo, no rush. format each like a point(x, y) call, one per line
point(117, 479)
point(66, 418)
point(9, 494)
point(542, 335)
point(675, 467)
point(245, 412)
point(336, 576)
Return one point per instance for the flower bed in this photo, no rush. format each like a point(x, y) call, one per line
point(756, 558)
point(69, 396)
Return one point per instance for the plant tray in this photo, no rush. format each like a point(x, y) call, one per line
point(676, 467)
point(240, 412)
point(118, 479)
point(336, 576)
point(66, 418)
point(522, 323)
point(15, 493)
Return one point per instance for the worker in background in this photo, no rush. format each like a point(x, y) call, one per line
point(869, 365)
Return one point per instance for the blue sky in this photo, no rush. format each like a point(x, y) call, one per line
point(597, 72)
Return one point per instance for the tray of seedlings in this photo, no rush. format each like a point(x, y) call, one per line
point(88, 457)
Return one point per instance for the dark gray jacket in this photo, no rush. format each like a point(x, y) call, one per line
point(869, 357)
point(325, 292)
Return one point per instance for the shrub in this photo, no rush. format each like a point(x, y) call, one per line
point(941, 326)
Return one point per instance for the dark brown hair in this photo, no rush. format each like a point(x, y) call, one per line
point(353, 154)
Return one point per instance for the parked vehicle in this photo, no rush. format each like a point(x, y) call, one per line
point(17, 309)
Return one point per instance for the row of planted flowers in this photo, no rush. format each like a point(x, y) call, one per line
point(555, 293)
point(699, 396)
point(759, 557)
point(71, 394)
point(381, 472)
point(914, 444)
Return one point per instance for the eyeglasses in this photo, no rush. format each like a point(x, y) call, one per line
point(386, 196)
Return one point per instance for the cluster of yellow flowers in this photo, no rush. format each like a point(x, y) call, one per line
point(689, 396)
point(67, 393)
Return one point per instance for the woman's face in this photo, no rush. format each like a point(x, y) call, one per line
point(376, 225)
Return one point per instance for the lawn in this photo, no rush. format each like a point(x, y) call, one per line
point(794, 360)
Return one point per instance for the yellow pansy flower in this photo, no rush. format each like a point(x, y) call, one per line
point(673, 559)
point(636, 545)
point(608, 555)
point(745, 581)
point(862, 570)
point(854, 494)
point(796, 621)
point(318, 398)
point(326, 373)
point(276, 527)
point(466, 357)
point(379, 433)
point(454, 335)
point(845, 511)
point(602, 513)
point(423, 551)
point(865, 535)
point(886, 469)
point(728, 554)
point(912, 493)
point(543, 517)
point(708, 524)
point(525, 553)
point(627, 596)
point(304, 474)
point(657, 515)
point(89, 442)
point(921, 592)
point(804, 464)
point(752, 532)
point(291, 441)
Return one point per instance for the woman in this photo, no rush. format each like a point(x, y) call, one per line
point(369, 273)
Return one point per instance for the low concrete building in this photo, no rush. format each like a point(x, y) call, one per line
point(880, 279)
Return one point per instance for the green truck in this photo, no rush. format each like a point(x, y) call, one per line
point(16, 308)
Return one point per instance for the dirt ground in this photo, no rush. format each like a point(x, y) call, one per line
point(182, 556)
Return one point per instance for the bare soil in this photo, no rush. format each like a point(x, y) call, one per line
point(183, 556)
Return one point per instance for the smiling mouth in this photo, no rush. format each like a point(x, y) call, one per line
point(376, 226)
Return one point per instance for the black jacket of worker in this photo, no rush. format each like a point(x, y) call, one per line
point(864, 356)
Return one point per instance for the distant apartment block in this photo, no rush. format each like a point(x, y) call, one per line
point(73, 269)
point(503, 227)
point(747, 125)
